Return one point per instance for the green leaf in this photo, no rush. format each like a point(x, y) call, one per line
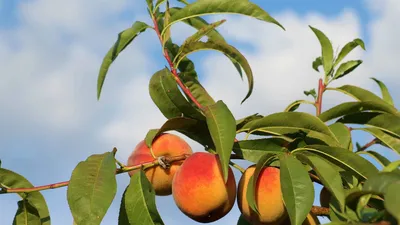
point(201, 33)
point(253, 150)
point(392, 199)
point(317, 63)
point(150, 5)
point(92, 188)
point(378, 157)
point(223, 47)
point(184, 2)
point(222, 127)
point(385, 92)
point(296, 120)
point(205, 7)
point(298, 189)
point(347, 108)
point(189, 77)
point(327, 50)
point(329, 176)
point(387, 139)
point(10, 179)
point(167, 33)
point(343, 134)
point(384, 121)
point(360, 94)
point(194, 129)
point(392, 166)
point(165, 94)
point(158, 3)
point(311, 92)
point(124, 39)
point(346, 68)
point(151, 134)
point(264, 161)
point(243, 221)
point(26, 214)
point(347, 49)
point(212, 34)
point(295, 105)
point(197, 90)
point(343, 158)
point(138, 204)
point(241, 122)
point(380, 182)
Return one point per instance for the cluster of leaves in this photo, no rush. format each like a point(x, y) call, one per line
point(301, 144)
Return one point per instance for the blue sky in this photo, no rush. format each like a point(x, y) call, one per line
point(50, 51)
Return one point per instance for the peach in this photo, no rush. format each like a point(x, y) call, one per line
point(199, 189)
point(268, 196)
point(164, 145)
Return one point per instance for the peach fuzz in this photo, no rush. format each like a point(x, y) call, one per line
point(268, 196)
point(164, 145)
point(199, 189)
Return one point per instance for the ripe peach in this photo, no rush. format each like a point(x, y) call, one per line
point(199, 189)
point(268, 196)
point(164, 145)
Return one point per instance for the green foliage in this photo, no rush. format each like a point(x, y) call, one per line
point(297, 188)
point(124, 39)
point(222, 126)
point(26, 214)
point(92, 188)
point(327, 52)
point(138, 205)
point(223, 47)
point(301, 144)
point(34, 202)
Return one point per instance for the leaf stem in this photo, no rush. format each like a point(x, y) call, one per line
point(168, 160)
point(237, 166)
point(318, 102)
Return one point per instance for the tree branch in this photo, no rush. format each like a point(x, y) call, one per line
point(320, 211)
point(166, 160)
point(318, 102)
point(369, 144)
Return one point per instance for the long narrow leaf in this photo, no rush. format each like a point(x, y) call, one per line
point(124, 39)
point(225, 48)
point(92, 188)
point(385, 92)
point(348, 48)
point(222, 127)
point(204, 7)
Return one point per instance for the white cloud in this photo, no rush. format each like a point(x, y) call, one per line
point(50, 63)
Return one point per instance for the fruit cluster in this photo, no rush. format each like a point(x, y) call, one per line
point(198, 187)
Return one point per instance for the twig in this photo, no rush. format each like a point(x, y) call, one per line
point(318, 102)
point(369, 144)
point(172, 67)
point(320, 211)
point(315, 178)
point(168, 160)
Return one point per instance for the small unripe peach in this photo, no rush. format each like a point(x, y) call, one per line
point(199, 189)
point(164, 145)
point(268, 197)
